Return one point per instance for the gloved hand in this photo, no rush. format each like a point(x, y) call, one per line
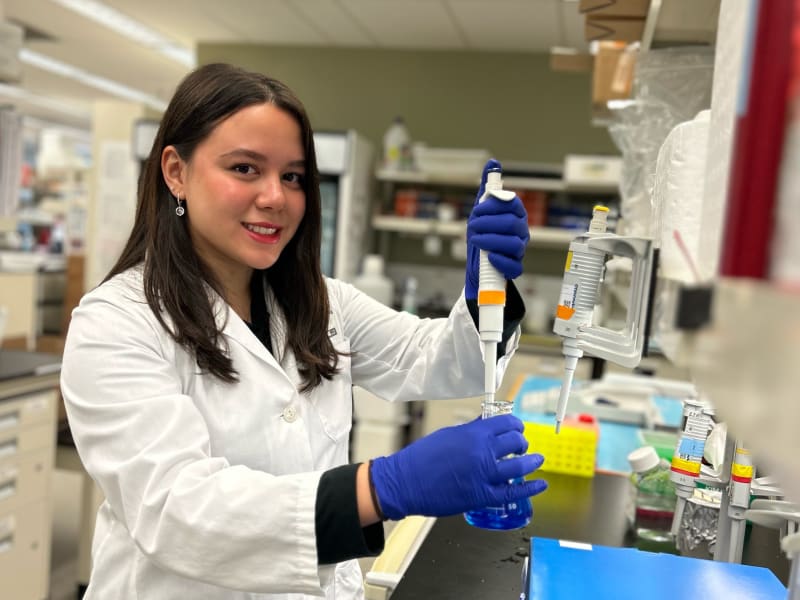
point(499, 227)
point(457, 469)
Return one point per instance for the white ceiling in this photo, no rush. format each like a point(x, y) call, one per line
point(480, 25)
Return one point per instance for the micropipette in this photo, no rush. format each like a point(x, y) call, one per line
point(580, 290)
point(583, 273)
point(491, 305)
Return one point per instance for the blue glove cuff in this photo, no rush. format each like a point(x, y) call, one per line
point(373, 494)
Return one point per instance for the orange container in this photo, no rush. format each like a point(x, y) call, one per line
point(405, 203)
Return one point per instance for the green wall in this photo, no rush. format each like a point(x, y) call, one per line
point(509, 103)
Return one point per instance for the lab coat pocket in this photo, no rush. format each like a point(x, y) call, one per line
point(333, 400)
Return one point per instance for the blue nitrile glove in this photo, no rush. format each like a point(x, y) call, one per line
point(499, 227)
point(457, 469)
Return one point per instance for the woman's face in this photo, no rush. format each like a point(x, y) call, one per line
point(244, 190)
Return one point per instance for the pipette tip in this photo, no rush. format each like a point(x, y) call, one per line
point(558, 426)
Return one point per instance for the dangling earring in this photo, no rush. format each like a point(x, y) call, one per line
point(179, 210)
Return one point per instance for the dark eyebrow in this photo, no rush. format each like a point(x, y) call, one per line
point(256, 156)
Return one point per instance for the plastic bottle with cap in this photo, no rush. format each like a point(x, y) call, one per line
point(374, 282)
point(652, 504)
point(397, 146)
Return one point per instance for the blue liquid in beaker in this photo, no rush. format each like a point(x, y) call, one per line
point(508, 516)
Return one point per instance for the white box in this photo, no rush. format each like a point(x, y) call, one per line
point(450, 161)
point(586, 171)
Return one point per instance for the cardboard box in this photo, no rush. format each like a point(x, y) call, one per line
point(613, 72)
point(614, 8)
point(619, 29)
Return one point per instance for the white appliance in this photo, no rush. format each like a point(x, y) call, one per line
point(345, 163)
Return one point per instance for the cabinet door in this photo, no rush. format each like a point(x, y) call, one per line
point(25, 479)
point(25, 552)
point(18, 295)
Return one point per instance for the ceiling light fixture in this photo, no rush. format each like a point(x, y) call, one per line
point(134, 30)
point(51, 65)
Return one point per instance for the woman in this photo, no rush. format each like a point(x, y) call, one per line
point(208, 378)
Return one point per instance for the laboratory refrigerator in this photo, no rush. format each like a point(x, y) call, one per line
point(345, 163)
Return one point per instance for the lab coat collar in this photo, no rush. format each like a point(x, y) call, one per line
point(237, 331)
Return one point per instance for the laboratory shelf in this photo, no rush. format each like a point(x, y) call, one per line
point(540, 236)
point(463, 180)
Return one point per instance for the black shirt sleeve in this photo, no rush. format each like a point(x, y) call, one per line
point(338, 529)
point(512, 315)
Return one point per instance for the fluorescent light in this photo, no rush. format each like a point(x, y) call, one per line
point(134, 30)
point(10, 91)
point(57, 67)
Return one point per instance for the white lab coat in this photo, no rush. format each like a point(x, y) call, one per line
point(210, 487)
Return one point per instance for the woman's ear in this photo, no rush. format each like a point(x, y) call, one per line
point(173, 168)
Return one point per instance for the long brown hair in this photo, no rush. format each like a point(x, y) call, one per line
point(175, 278)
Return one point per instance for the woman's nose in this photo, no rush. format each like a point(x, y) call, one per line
point(271, 193)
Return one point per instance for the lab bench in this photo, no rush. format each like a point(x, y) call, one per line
point(28, 405)
point(456, 560)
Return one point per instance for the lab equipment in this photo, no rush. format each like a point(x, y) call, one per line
point(573, 452)
point(741, 478)
point(583, 274)
point(454, 469)
point(491, 304)
point(785, 516)
point(686, 461)
point(345, 161)
point(501, 228)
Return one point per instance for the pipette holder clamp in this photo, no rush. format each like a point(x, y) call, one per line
point(623, 347)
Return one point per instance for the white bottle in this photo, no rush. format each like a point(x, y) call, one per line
point(373, 282)
point(397, 146)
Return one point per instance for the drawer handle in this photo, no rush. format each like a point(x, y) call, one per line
point(8, 448)
point(7, 543)
point(9, 420)
point(7, 490)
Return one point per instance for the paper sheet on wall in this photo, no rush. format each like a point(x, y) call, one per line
point(115, 205)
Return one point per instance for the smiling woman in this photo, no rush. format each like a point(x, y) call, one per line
point(243, 188)
point(208, 379)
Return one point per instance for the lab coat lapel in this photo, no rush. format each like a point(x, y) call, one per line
point(238, 332)
point(278, 333)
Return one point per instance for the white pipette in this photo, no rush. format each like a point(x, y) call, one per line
point(579, 292)
point(491, 303)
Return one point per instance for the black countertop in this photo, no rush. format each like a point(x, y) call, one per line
point(18, 363)
point(457, 560)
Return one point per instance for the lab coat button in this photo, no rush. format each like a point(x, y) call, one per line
point(289, 414)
